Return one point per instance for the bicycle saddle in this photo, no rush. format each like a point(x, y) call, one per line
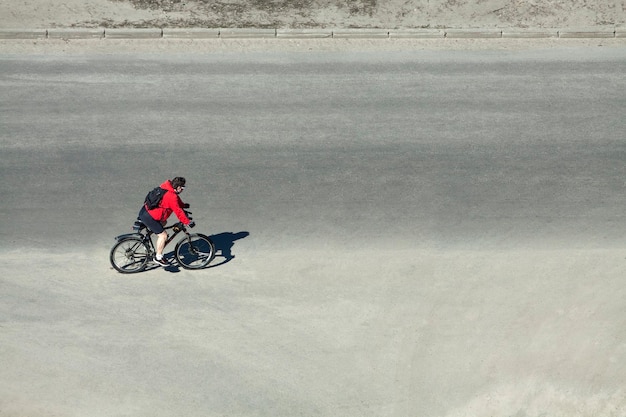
point(138, 225)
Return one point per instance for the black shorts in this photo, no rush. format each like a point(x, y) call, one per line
point(154, 225)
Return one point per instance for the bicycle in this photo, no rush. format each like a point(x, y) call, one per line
point(134, 251)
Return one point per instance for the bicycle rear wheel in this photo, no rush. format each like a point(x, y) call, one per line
point(130, 255)
point(195, 252)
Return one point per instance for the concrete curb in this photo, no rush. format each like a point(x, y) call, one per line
point(304, 33)
point(75, 33)
point(191, 33)
point(360, 33)
point(23, 33)
point(261, 33)
point(247, 33)
point(530, 33)
point(133, 33)
point(473, 33)
point(587, 33)
point(417, 34)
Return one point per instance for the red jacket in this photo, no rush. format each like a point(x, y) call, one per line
point(170, 203)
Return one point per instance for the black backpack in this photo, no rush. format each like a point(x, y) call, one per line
point(154, 197)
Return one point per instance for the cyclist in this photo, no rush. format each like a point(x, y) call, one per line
point(156, 218)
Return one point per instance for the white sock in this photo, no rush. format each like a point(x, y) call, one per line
point(159, 257)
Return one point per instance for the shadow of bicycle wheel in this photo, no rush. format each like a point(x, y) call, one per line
point(224, 243)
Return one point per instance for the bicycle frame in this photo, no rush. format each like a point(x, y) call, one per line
point(146, 235)
point(177, 227)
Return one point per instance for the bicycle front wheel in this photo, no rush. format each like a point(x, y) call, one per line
point(195, 252)
point(129, 256)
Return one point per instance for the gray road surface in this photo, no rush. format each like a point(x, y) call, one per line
point(414, 233)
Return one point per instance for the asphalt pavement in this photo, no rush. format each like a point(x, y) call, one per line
point(406, 233)
point(430, 148)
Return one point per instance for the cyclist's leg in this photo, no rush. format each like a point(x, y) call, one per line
point(155, 227)
point(160, 245)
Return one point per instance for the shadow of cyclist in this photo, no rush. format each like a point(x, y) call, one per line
point(224, 243)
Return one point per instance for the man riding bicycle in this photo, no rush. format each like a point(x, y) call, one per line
point(156, 218)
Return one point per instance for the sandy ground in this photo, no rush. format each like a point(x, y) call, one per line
point(400, 14)
point(374, 333)
point(388, 14)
